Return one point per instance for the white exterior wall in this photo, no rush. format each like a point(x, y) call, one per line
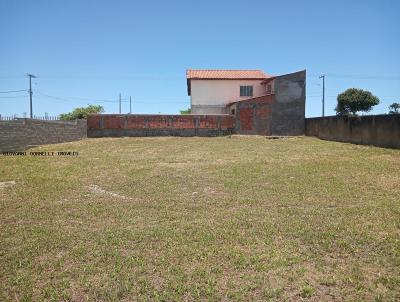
point(209, 94)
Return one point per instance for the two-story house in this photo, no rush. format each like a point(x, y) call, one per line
point(211, 91)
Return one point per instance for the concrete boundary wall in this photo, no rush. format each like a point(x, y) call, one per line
point(377, 130)
point(117, 125)
point(20, 134)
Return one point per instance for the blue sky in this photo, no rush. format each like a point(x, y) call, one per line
point(94, 50)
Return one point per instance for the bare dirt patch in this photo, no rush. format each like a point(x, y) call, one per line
point(98, 190)
point(7, 184)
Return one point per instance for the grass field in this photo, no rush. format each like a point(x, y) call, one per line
point(229, 218)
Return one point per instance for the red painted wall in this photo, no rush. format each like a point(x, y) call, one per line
point(116, 121)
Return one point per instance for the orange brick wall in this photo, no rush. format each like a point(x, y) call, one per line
point(153, 125)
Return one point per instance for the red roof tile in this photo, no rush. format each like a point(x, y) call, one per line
point(225, 74)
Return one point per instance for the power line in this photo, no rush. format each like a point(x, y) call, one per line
point(120, 103)
point(323, 94)
point(123, 100)
point(12, 97)
point(11, 76)
point(359, 76)
point(30, 76)
point(68, 99)
point(117, 78)
point(11, 91)
point(364, 77)
point(53, 97)
point(91, 99)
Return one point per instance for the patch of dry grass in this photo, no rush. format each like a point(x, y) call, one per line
point(229, 218)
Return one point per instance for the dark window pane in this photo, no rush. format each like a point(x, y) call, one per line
point(246, 90)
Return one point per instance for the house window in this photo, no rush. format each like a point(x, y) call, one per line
point(269, 88)
point(246, 90)
point(233, 111)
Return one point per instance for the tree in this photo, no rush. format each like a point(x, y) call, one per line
point(81, 113)
point(353, 100)
point(187, 111)
point(395, 108)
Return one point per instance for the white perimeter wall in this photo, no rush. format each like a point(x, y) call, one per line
point(221, 92)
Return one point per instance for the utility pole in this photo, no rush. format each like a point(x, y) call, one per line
point(130, 105)
point(120, 103)
point(30, 93)
point(323, 94)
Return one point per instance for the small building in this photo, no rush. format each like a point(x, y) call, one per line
point(262, 103)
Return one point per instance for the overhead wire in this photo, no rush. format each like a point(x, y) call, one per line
point(12, 91)
point(12, 97)
point(123, 100)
